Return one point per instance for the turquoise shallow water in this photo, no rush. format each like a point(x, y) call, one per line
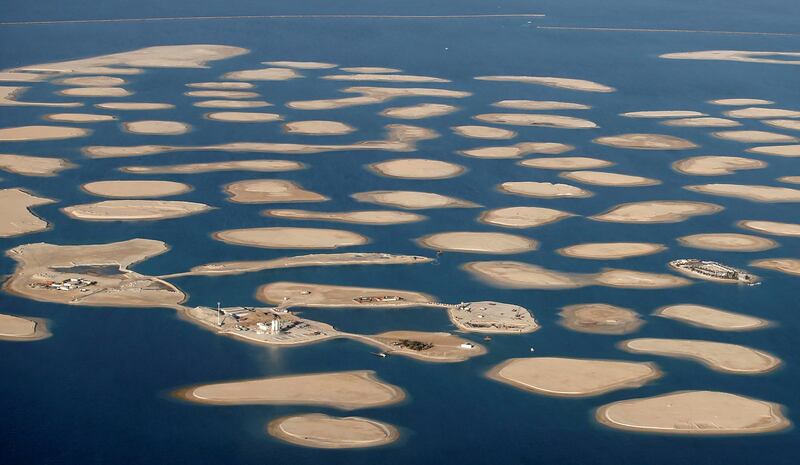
point(98, 390)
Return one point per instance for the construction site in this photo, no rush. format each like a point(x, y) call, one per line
point(713, 271)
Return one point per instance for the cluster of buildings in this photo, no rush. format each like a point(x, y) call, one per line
point(364, 299)
point(69, 284)
point(713, 270)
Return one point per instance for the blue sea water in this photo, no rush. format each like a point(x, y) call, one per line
point(97, 392)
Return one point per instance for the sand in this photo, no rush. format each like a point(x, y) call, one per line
point(233, 104)
point(290, 238)
point(663, 114)
point(565, 163)
point(630, 279)
point(719, 356)
point(300, 64)
point(777, 150)
point(600, 319)
point(16, 217)
point(446, 348)
point(262, 166)
point(383, 77)
point(740, 101)
point(136, 189)
point(28, 165)
point(96, 92)
point(709, 122)
point(759, 113)
point(573, 377)
point(134, 210)
point(611, 250)
point(156, 127)
point(711, 318)
point(518, 275)
point(78, 118)
point(492, 318)
point(790, 179)
point(657, 211)
point(645, 142)
point(561, 83)
point(710, 165)
point(729, 242)
point(417, 168)
point(540, 105)
point(232, 94)
point(374, 95)
point(226, 85)
point(289, 294)
point(9, 96)
point(601, 178)
point(243, 117)
point(265, 74)
point(523, 217)
point(125, 106)
point(747, 56)
point(755, 136)
point(29, 133)
point(771, 227)
point(754, 193)
point(11, 76)
point(790, 266)
point(483, 132)
point(700, 413)
point(412, 200)
point(370, 69)
point(518, 150)
point(543, 190)
point(320, 431)
point(791, 124)
point(270, 191)
point(478, 242)
point(531, 119)
point(346, 390)
point(105, 264)
point(370, 217)
point(318, 128)
point(419, 111)
point(14, 328)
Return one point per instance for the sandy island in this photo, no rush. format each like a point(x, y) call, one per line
point(478, 242)
point(265, 74)
point(28, 133)
point(735, 102)
point(483, 132)
point(289, 294)
point(711, 318)
point(231, 94)
point(92, 81)
point(719, 356)
point(262, 166)
point(565, 163)
point(300, 64)
point(412, 200)
point(703, 413)
point(78, 118)
point(134, 106)
point(321, 431)
point(771, 227)
point(492, 318)
point(611, 250)
point(243, 117)
point(154, 127)
point(600, 319)
point(631, 279)
point(755, 136)
point(136, 189)
point(14, 328)
point(227, 85)
point(540, 105)
point(370, 69)
point(383, 77)
point(232, 104)
point(425, 346)
point(371, 217)
point(96, 274)
point(645, 142)
point(270, 191)
point(543, 190)
point(760, 113)
point(28, 165)
point(709, 122)
point(601, 178)
point(663, 114)
point(291, 238)
point(790, 179)
point(777, 150)
point(96, 92)
point(790, 266)
point(746, 56)
point(134, 210)
point(792, 124)
point(9, 97)
point(656, 211)
point(730, 242)
point(749, 192)
point(561, 83)
point(419, 111)
point(16, 217)
point(710, 165)
point(374, 95)
point(347, 390)
point(573, 377)
point(523, 217)
point(530, 119)
point(518, 150)
point(417, 168)
point(318, 128)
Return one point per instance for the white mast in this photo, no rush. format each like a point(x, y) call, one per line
point(219, 313)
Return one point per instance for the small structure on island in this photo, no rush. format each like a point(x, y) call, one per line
point(713, 271)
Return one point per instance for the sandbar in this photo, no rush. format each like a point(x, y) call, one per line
point(630, 279)
point(790, 179)
point(645, 142)
point(771, 227)
point(289, 294)
point(700, 413)
point(264, 166)
point(243, 116)
point(14, 328)
point(417, 168)
point(78, 118)
point(561, 83)
point(518, 275)
point(300, 64)
point(371, 217)
point(291, 238)
point(28, 133)
point(611, 250)
point(601, 178)
point(729, 242)
point(492, 318)
point(232, 104)
point(16, 217)
point(9, 97)
point(565, 163)
point(96, 92)
point(711, 165)
point(232, 94)
point(747, 56)
point(28, 165)
point(543, 190)
point(518, 150)
point(220, 85)
point(270, 191)
point(412, 200)
point(318, 128)
point(531, 119)
point(136, 189)
point(134, 210)
point(656, 211)
point(573, 377)
point(157, 127)
point(759, 113)
point(792, 124)
point(719, 356)
point(346, 390)
point(735, 102)
point(12, 76)
point(540, 105)
point(483, 132)
point(383, 77)
point(478, 242)
point(265, 74)
point(711, 318)
point(322, 431)
point(755, 136)
point(790, 266)
point(125, 106)
point(755, 193)
point(600, 319)
point(426, 346)
point(419, 111)
point(777, 150)
point(523, 217)
point(709, 122)
point(373, 95)
point(370, 69)
point(663, 114)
